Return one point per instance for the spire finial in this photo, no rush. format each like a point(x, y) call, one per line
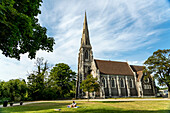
point(85, 18)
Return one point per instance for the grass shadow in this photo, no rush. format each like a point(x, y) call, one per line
point(35, 107)
point(115, 101)
point(121, 111)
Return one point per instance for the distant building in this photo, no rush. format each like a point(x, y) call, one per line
point(116, 79)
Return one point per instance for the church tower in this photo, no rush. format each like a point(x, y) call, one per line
point(84, 59)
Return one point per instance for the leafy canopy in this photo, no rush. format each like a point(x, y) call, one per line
point(20, 31)
point(37, 80)
point(159, 65)
point(90, 84)
point(62, 78)
point(14, 89)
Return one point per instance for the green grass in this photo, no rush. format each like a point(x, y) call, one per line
point(93, 107)
point(138, 98)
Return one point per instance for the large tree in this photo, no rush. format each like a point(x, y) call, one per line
point(62, 79)
point(90, 84)
point(20, 31)
point(37, 80)
point(159, 65)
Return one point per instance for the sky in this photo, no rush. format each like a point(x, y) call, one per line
point(119, 30)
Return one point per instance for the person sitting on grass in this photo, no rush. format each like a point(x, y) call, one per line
point(73, 104)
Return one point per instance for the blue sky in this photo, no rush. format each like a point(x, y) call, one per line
point(120, 30)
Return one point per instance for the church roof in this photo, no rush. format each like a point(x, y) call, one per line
point(113, 67)
point(137, 68)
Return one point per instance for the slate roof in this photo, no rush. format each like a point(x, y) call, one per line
point(137, 68)
point(113, 67)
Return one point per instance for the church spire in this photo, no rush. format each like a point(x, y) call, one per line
point(85, 35)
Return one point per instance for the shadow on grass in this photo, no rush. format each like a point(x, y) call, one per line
point(115, 101)
point(120, 111)
point(35, 107)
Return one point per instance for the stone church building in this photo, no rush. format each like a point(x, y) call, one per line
point(116, 79)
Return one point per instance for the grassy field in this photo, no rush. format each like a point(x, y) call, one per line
point(93, 107)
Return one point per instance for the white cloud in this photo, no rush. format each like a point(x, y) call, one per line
point(115, 27)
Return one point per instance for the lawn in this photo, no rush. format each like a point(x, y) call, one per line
point(93, 107)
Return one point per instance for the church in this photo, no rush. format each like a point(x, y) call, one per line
point(116, 79)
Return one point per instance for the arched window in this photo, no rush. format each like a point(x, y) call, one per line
point(113, 82)
point(121, 83)
point(131, 83)
point(86, 42)
point(104, 82)
point(86, 54)
point(146, 80)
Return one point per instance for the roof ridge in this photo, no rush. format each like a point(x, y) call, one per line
point(137, 65)
point(111, 61)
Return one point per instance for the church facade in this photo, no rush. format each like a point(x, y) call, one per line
point(116, 79)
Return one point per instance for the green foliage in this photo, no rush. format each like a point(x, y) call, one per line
point(59, 84)
point(37, 80)
point(159, 65)
point(13, 89)
point(20, 31)
point(62, 79)
point(90, 84)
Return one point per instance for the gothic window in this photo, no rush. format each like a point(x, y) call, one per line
point(131, 83)
point(86, 54)
point(86, 42)
point(146, 80)
point(121, 83)
point(104, 82)
point(92, 93)
point(147, 86)
point(113, 83)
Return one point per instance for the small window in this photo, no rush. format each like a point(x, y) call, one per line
point(131, 83)
point(92, 93)
point(113, 83)
point(146, 80)
point(86, 54)
point(86, 42)
point(121, 83)
point(104, 82)
point(147, 86)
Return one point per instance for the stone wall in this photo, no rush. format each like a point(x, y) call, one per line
point(116, 89)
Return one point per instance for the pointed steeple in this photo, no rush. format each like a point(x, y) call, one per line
point(85, 35)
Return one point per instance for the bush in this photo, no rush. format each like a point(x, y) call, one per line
point(5, 103)
point(4, 99)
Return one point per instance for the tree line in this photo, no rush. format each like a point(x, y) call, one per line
point(42, 84)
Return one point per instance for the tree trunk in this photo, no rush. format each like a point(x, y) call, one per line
point(88, 96)
point(168, 91)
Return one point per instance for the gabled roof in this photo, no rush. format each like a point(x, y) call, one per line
point(113, 67)
point(137, 68)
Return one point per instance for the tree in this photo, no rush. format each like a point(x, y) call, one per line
point(37, 80)
point(14, 89)
point(62, 79)
point(1, 89)
point(159, 65)
point(90, 84)
point(20, 31)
